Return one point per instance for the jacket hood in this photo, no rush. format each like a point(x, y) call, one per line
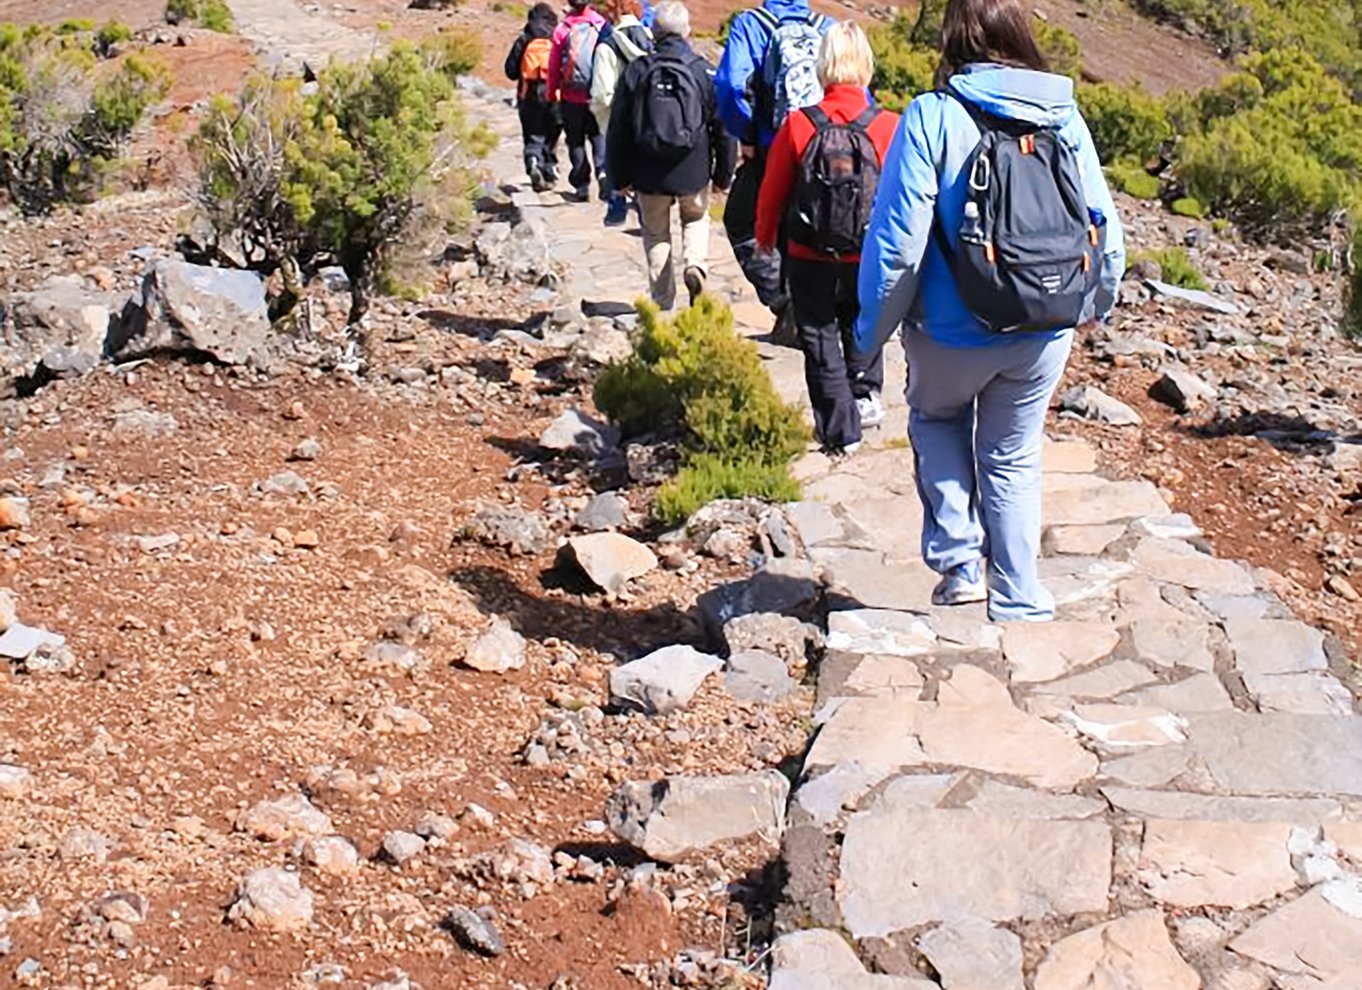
point(1040, 98)
point(783, 8)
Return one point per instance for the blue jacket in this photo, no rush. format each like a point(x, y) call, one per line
point(904, 274)
point(744, 55)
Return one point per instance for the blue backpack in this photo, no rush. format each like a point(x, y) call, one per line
point(789, 72)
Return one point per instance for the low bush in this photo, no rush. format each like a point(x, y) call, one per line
point(1176, 266)
point(455, 53)
point(1133, 179)
point(1126, 122)
point(1187, 206)
point(214, 15)
point(344, 174)
point(695, 373)
point(65, 113)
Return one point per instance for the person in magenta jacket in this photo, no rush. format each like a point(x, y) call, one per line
point(579, 123)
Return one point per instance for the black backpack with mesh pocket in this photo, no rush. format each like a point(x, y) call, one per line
point(1029, 254)
point(835, 188)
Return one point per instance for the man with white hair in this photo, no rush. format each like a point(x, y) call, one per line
point(665, 141)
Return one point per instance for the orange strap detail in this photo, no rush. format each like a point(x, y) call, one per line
point(990, 253)
point(1092, 234)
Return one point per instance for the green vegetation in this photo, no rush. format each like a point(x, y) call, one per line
point(455, 53)
point(342, 175)
point(65, 113)
point(696, 373)
point(1133, 179)
point(1188, 206)
point(214, 15)
point(1326, 29)
point(1176, 266)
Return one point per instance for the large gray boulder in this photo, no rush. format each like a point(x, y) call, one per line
point(664, 681)
point(188, 308)
point(670, 819)
point(61, 327)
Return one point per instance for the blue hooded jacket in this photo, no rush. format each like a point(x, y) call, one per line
point(904, 274)
point(744, 54)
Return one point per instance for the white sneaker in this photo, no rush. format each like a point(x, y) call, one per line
point(871, 409)
point(961, 585)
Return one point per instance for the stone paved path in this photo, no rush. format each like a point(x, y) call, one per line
point(1162, 790)
point(288, 35)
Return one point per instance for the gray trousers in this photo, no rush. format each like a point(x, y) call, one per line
point(977, 427)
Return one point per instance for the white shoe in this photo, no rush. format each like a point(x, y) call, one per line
point(871, 409)
point(961, 585)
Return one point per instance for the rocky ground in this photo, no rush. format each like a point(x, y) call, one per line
point(353, 659)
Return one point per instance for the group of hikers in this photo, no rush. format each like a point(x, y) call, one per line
point(979, 224)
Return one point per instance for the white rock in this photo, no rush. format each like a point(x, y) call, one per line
point(291, 816)
point(675, 817)
point(611, 560)
point(272, 899)
point(499, 649)
point(664, 681)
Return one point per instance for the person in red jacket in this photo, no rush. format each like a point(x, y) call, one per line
point(823, 241)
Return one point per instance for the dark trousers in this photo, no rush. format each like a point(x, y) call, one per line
point(581, 129)
point(826, 305)
point(539, 130)
point(740, 223)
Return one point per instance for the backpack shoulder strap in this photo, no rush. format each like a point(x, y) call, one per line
point(766, 19)
point(818, 117)
point(867, 117)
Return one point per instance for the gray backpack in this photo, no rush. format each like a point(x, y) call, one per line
point(1029, 254)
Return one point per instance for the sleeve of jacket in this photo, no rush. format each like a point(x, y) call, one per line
point(605, 77)
point(1098, 197)
point(514, 57)
point(776, 185)
point(619, 135)
point(746, 46)
point(900, 228)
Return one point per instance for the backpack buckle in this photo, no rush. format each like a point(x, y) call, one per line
point(980, 176)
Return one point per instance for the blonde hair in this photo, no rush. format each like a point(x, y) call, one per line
point(845, 58)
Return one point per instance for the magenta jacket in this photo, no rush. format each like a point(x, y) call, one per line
point(560, 34)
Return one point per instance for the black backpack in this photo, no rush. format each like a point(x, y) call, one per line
point(835, 188)
point(1029, 255)
point(669, 108)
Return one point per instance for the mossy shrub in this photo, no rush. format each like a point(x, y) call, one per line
point(694, 373)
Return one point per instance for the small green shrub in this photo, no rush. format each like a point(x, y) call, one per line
point(1187, 206)
point(65, 114)
point(706, 477)
point(456, 53)
point(347, 174)
point(696, 373)
point(214, 15)
point(1060, 47)
point(1133, 180)
point(113, 33)
point(904, 67)
point(1177, 267)
point(1126, 122)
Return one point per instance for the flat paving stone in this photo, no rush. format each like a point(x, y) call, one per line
point(1068, 457)
point(1182, 805)
point(1044, 651)
point(874, 731)
point(1198, 693)
point(1309, 936)
point(1106, 681)
point(1169, 644)
point(1271, 646)
point(1153, 767)
point(971, 954)
point(877, 585)
point(883, 631)
point(1131, 953)
point(881, 676)
point(819, 959)
point(1181, 563)
point(1280, 753)
point(828, 795)
point(1219, 864)
point(992, 797)
point(1091, 541)
point(1315, 693)
point(1126, 726)
point(1112, 502)
point(963, 863)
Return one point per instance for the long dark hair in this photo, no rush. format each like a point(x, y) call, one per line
point(987, 31)
point(542, 16)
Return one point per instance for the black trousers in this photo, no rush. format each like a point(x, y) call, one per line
point(581, 129)
point(826, 305)
point(539, 131)
point(740, 223)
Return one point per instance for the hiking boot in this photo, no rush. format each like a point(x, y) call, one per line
point(846, 450)
point(695, 282)
point(961, 585)
point(784, 333)
point(617, 212)
point(582, 194)
point(550, 176)
point(537, 180)
point(871, 409)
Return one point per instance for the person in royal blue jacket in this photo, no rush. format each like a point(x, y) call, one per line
point(978, 398)
point(750, 119)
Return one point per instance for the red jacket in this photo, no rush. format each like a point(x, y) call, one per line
point(841, 104)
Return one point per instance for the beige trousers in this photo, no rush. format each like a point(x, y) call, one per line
point(657, 239)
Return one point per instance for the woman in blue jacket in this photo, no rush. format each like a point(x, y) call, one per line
point(978, 397)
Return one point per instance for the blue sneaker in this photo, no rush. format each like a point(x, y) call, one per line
point(961, 585)
point(617, 212)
